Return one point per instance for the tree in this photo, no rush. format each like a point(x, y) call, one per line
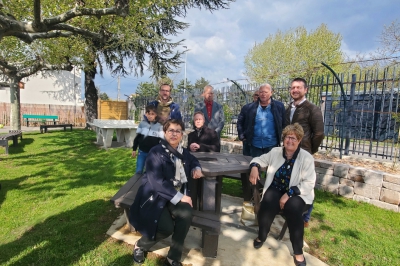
point(390, 41)
point(201, 83)
point(181, 86)
point(147, 89)
point(294, 53)
point(103, 96)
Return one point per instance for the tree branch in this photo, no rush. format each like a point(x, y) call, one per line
point(37, 18)
point(7, 66)
point(4, 84)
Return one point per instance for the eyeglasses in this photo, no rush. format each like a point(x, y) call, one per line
point(291, 138)
point(255, 95)
point(171, 132)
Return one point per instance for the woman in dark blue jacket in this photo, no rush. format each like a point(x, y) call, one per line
point(163, 204)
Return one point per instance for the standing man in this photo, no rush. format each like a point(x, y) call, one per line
point(262, 122)
point(213, 111)
point(241, 123)
point(166, 108)
point(309, 116)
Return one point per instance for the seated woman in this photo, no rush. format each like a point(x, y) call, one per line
point(202, 138)
point(163, 205)
point(289, 187)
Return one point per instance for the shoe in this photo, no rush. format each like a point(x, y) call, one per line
point(257, 244)
point(299, 263)
point(138, 255)
point(174, 263)
point(305, 224)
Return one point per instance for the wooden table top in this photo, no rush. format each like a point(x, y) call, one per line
point(218, 164)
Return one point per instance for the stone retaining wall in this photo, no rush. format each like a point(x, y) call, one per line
point(375, 187)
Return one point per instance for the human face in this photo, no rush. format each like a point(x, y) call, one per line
point(290, 142)
point(255, 96)
point(165, 93)
point(265, 94)
point(208, 95)
point(173, 135)
point(298, 90)
point(198, 120)
point(151, 116)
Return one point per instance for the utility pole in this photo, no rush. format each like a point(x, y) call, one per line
point(118, 89)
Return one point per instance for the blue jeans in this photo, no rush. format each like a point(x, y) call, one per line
point(257, 152)
point(307, 216)
point(140, 161)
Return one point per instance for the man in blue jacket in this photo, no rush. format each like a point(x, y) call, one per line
point(166, 108)
point(263, 122)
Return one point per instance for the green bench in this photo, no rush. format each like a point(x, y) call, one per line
point(39, 118)
point(43, 128)
point(12, 135)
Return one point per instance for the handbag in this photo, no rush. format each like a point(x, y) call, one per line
point(250, 209)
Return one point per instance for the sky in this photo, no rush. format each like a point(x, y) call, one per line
point(218, 42)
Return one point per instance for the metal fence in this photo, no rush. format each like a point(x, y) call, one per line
point(363, 121)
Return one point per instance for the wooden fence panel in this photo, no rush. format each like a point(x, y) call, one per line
point(117, 110)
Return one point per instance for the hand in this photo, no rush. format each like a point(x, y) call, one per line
point(197, 174)
point(194, 147)
point(254, 175)
point(283, 200)
point(187, 199)
point(133, 154)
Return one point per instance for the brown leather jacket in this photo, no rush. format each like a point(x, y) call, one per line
point(309, 116)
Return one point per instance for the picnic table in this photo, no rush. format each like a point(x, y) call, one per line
point(215, 166)
point(125, 131)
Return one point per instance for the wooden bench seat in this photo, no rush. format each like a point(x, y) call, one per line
point(45, 127)
point(12, 135)
point(209, 222)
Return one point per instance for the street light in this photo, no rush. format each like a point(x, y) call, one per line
point(184, 81)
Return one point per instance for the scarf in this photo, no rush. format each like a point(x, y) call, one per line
point(176, 157)
point(163, 109)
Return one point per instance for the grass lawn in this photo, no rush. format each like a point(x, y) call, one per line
point(55, 209)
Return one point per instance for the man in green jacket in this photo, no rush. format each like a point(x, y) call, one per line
point(309, 116)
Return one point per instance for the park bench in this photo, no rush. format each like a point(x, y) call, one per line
point(12, 135)
point(43, 128)
point(208, 222)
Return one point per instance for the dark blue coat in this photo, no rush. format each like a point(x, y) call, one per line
point(247, 118)
point(157, 189)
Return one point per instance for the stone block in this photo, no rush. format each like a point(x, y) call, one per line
point(346, 191)
point(367, 190)
point(391, 186)
point(390, 196)
point(324, 164)
point(373, 177)
point(319, 187)
point(330, 188)
point(327, 180)
point(391, 178)
point(347, 182)
point(341, 170)
point(385, 205)
point(325, 171)
point(361, 198)
point(356, 173)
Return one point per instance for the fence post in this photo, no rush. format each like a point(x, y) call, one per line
point(349, 112)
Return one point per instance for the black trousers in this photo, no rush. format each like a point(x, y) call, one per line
point(175, 220)
point(293, 210)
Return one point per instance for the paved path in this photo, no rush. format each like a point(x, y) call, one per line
point(235, 242)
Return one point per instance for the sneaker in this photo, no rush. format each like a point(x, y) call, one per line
point(138, 255)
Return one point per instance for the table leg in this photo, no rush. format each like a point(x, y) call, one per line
point(107, 136)
point(130, 135)
point(99, 136)
point(120, 134)
point(246, 187)
point(208, 198)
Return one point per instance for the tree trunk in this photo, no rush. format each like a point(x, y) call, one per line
point(15, 116)
point(90, 95)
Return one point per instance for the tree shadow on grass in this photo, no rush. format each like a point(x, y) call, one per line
point(62, 239)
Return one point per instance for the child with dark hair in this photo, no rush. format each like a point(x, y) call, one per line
point(148, 135)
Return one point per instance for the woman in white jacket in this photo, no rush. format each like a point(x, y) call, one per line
point(289, 187)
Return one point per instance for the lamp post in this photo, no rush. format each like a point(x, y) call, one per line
point(184, 81)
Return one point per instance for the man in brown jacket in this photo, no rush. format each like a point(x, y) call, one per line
point(309, 116)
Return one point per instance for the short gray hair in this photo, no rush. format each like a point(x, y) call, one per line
point(265, 85)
